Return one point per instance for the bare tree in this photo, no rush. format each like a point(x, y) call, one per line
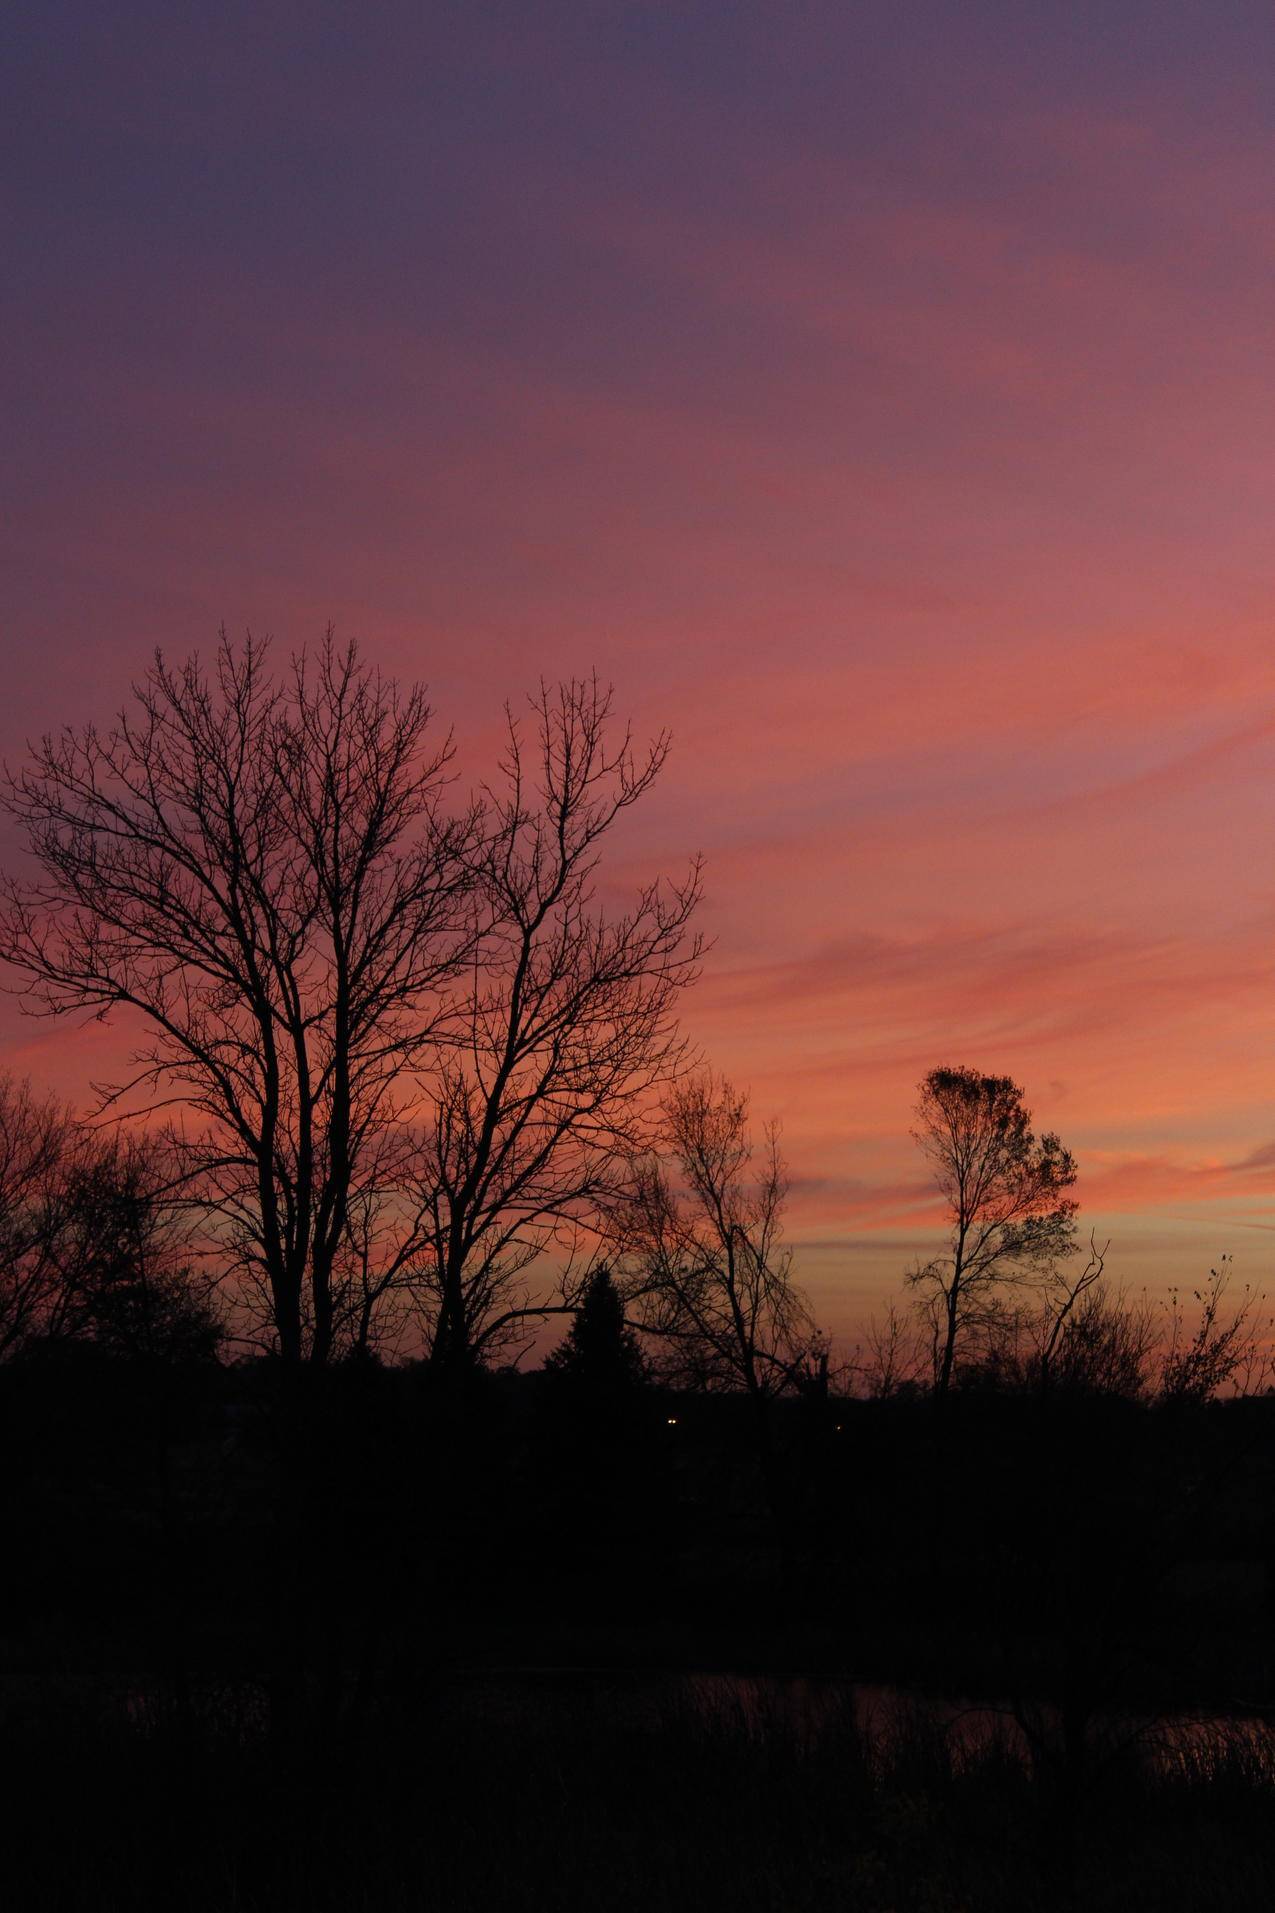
point(262, 872)
point(36, 1136)
point(1087, 1337)
point(91, 1245)
point(709, 1277)
point(1072, 1333)
point(1005, 1191)
point(1107, 1345)
point(567, 1028)
point(895, 1356)
point(1066, 1300)
point(132, 1281)
point(1223, 1348)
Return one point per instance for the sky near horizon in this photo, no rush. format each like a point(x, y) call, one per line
point(881, 396)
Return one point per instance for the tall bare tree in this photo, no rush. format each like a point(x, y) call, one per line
point(567, 1029)
point(1005, 1192)
point(261, 870)
point(708, 1276)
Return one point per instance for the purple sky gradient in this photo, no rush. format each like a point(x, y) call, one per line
point(880, 395)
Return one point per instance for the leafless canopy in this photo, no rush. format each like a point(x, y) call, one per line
point(35, 1136)
point(1225, 1350)
point(1006, 1195)
point(263, 872)
point(893, 1356)
point(403, 1047)
point(1074, 1333)
point(567, 1028)
point(708, 1276)
point(91, 1246)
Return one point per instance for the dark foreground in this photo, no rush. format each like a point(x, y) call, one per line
point(455, 1797)
point(365, 1643)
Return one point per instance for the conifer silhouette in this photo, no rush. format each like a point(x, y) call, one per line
point(600, 1359)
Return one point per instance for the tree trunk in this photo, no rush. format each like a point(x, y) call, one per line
point(287, 1308)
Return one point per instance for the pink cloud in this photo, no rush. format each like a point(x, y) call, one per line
point(933, 512)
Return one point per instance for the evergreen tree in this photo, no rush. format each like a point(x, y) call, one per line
point(600, 1359)
point(596, 1422)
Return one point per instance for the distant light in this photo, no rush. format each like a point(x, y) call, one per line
point(672, 1421)
point(838, 1427)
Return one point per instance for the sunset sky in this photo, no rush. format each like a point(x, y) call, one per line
point(881, 395)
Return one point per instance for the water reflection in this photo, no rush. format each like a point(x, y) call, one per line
point(801, 1712)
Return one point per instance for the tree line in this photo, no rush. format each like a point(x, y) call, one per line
point(405, 1079)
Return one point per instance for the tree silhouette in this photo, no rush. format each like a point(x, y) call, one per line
point(132, 1285)
point(261, 871)
point(35, 1135)
point(709, 1276)
point(1005, 1192)
point(92, 1247)
point(600, 1356)
point(404, 1050)
point(606, 1477)
point(1224, 1348)
point(566, 1029)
